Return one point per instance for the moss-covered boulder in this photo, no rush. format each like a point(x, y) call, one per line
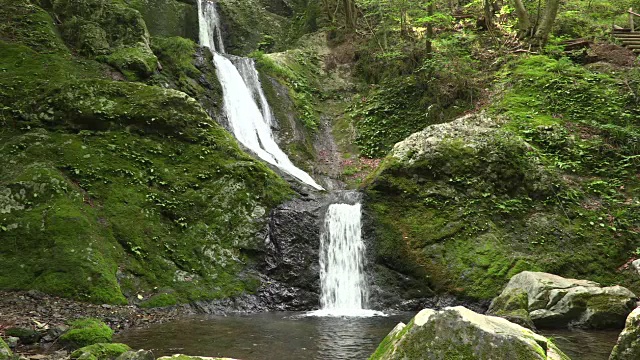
point(628, 345)
point(512, 305)
point(110, 31)
point(552, 301)
point(463, 206)
point(26, 336)
point(169, 17)
point(459, 333)
point(85, 332)
point(136, 355)
point(247, 25)
point(100, 351)
point(188, 357)
point(5, 351)
point(135, 62)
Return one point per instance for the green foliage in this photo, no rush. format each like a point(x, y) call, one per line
point(108, 189)
point(85, 332)
point(100, 351)
point(300, 74)
point(570, 184)
point(414, 90)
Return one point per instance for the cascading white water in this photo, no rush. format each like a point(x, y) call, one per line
point(247, 69)
point(209, 24)
point(342, 276)
point(250, 125)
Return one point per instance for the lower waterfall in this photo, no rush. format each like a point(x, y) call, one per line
point(342, 258)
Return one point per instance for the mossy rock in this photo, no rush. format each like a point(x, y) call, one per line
point(169, 18)
point(85, 332)
point(100, 351)
point(188, 357)
point(5, 351)
point(103, 105)
point(109, 185)
point(628, 344)
point(512, 305)
point(459, 333)
point(27, 336)
point(135, 62)
point(518, 183)
point(123, 25)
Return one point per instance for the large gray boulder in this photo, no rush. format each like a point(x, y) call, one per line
point(555, 302)
point(459, 333)
point(628, 346)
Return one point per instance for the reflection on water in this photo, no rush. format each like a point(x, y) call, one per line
point(294, 336)
point(283, 336)
point(584, 345)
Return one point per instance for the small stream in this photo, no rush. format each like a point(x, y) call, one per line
point(293, 336)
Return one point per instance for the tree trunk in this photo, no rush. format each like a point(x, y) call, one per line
point(546, 24)
point(488, 13)
point(524, 23)
point(429, 44)
point(350, 14)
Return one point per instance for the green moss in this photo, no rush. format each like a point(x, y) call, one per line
point(85, 332)
point(5, 351)
point(299, 72)
point(137, 62)
point(252, 26)
point(513, 306)
point(559, 174)
point(169, 17)
point(27, 336)
point(100, 351)
point(114, 189)
point(181, 72)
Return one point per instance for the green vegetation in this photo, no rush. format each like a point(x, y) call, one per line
point(85, 332)
point(5, 351)
point(560, 173)
point(100, 351)
point(116, 190)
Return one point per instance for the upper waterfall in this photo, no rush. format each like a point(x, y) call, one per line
point(250, 124)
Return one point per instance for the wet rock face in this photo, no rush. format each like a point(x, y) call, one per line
point(390, 287)
point(292, 250)
point(628, 346)
point(556, 302)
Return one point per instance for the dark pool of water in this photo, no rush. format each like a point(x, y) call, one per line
point(290, 336)
point(584, 345)
point(282, 336)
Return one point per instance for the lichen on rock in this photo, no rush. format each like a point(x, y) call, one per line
point(459, 333)
point(628, 345)
point(553, 301)
point(100, 351)
point(5, 351)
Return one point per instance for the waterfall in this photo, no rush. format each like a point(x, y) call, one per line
point(247, 69)
point(342, 276)
point(250, 124)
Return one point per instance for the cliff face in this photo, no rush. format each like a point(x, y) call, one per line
point(116, 190)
